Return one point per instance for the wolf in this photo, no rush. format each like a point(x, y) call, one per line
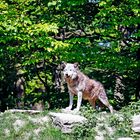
point(85, 88)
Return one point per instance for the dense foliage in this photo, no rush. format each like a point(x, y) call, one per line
point(37, 35)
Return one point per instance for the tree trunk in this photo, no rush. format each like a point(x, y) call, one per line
point(19, 85)
point(119, 87)
point(138, 79)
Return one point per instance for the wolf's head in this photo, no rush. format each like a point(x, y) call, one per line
point(70, 70)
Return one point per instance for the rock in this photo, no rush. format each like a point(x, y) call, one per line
point(125, 138)
point(67, 111)
point(18, 124)
point(40, 120)
point(66, 121)
point(38, 106)
point(38, 130)
point(99, 137)
point(23, 111)
point(7, 132)
point(136, 123)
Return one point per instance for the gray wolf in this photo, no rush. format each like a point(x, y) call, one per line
point(81, 85)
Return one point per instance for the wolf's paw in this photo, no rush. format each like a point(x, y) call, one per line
point(66, 110)
point(76, 110)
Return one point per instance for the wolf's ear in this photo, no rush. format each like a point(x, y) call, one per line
point(76, 64)
point(63, 64)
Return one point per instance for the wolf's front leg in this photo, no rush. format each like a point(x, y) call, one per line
point(79, 101)
point(70, 101)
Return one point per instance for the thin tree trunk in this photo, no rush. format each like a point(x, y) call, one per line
point(119, 87)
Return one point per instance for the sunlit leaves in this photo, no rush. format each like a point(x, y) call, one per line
point(52, 3)
point(47, 27)
point(3, 5)
point(103, 35)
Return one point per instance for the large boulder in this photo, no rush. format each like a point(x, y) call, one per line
point(66, 121)
point(136, 123)
point(125, 138)
point(23, 111)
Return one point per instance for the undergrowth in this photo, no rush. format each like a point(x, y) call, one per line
point(110, 126)
point(99, 124)
point(29, 129)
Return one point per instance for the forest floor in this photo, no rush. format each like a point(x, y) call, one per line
point(101, 125)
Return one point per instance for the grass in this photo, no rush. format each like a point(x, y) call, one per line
point(23, 126)
point(110, 126)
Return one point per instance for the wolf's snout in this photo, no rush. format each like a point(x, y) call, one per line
point(66, 75)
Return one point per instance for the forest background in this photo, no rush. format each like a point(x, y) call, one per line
point(37, 35)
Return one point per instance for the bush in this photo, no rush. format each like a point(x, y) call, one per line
point(86, 131)
point(110, 126)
